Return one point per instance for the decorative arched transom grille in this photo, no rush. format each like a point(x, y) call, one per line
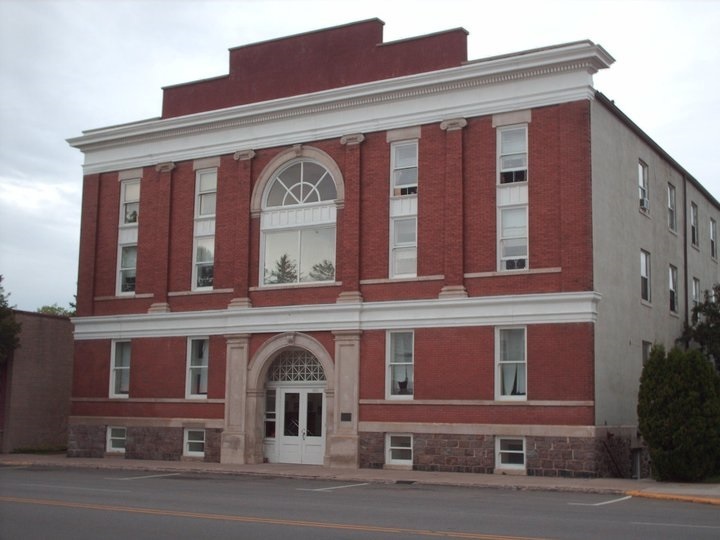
point(296, 366)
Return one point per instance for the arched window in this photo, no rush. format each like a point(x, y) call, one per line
point(296, 366)
point(298, 224)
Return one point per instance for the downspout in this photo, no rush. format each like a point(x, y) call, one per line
point(685, 253)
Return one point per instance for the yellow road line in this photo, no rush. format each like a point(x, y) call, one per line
point(265, 521)
point(674, 497)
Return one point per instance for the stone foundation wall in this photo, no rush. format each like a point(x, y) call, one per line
point(86, 441)
point(158, 443)
point(575, 457)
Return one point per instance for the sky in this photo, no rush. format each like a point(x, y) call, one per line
point(73, 65)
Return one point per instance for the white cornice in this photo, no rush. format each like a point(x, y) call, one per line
point(531, 79)
point(554, 308)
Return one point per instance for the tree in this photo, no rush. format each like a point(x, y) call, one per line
point(679, 414)
point(704, 327)
point(323, 271)
point(285, 270)
point(9, 327)
point(56, 310)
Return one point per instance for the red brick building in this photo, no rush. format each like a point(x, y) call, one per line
point(358, 253)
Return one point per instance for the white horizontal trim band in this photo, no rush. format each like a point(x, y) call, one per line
point(478, 403)
point(518, 430)
point(549, 308)
point(515, 82)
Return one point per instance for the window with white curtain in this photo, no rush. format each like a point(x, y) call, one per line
point(128, 236)
point(197, 368)
point(403, 208)
point(673, 287)
point(511, 372)
point(120, 369)
point(204, 237)
point(645, 289)
point(400, 365)
point(672, 203)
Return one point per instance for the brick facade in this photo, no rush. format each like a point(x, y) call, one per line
point(363, 96)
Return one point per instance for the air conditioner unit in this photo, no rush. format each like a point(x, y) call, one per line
point(644, 203)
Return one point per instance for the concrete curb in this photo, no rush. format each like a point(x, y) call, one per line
point(674, 497)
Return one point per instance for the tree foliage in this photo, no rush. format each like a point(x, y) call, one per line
point(55, 309)
point(323, 271)
point(704, 330)
point(285, 270)
point(9, 327)
point(679, 414)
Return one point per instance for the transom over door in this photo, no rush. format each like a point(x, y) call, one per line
point(295, 409)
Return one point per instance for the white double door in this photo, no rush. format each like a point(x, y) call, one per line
point(301, 425)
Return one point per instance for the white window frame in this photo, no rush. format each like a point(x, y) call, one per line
point(713, 239)
point(109, 438)
point(127, 234)
point(499, 453)
point(646, 274)
point(114, 369)
point(501, 153)
point(397, 248)
point(504, 261)
point(187, 452)
point(390, 363)
point(204, 226)
point(673, 288)
point(644, 186)
point(672, 207)
point(395, 169)
point(646, 351)
point(389, 447)
point(190, 371)
point(694, 225)
point(297, 218)
point(499, 395)
point(695, 292)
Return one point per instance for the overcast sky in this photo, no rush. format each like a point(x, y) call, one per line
point(67, 66)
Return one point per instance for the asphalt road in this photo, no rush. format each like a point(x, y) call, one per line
point(41, 503)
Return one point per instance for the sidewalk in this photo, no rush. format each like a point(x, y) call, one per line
point(699, 493)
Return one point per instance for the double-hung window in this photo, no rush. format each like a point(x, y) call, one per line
point(645, 288)
point(511, 372)
point(403, 208)
point(398, 449)
point(510, 453)
point(400, 365)
point(128, 235)
point(512, 154)
point(694, 227)
point(695, 292)
point(115, 439)
point(671, 203)
point(204, 237)
point(673, 287)
point(197, 369)
point(194, 442)
point(643, 186)
point(120, 370)
point(713, 238)
point(512, 198)
point(513, 238)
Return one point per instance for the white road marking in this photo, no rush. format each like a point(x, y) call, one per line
point(675, 525)
point(602, 503)
point(333, 488)
point(143, 477)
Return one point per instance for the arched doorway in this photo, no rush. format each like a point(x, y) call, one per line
point(295, 409)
